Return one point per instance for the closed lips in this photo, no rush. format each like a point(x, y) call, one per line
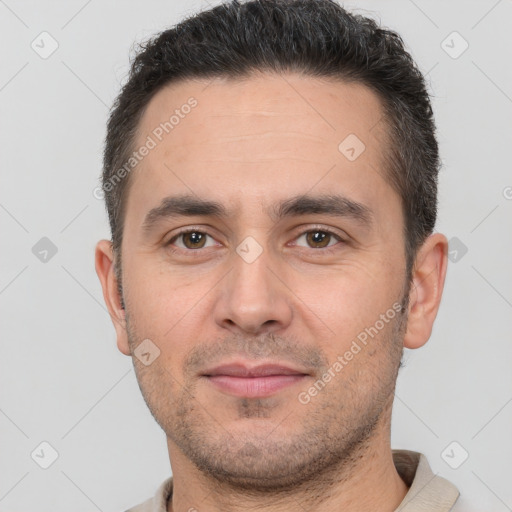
point(238, 370)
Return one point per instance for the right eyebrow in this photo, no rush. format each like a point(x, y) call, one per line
point(184, 205)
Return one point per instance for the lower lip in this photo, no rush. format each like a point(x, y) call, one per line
point(253, 387)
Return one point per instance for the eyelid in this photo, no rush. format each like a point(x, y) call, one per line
point(189, 229)
point(331, 231)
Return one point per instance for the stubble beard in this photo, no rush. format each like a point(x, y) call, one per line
point(330, 435)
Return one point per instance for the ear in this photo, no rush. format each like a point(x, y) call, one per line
point(104, 260)
point(426, 289)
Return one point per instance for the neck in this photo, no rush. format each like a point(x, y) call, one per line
point(368, 481)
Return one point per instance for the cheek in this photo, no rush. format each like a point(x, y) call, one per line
point(349, 300)
point(158, 289)
point(167, 308)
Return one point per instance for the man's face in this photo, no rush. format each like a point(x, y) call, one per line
point(267, 278)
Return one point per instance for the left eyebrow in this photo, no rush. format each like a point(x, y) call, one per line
point(331, 204)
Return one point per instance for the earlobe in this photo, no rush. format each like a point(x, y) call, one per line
point(104, 263)
point(426, 289)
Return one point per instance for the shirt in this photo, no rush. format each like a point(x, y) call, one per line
point(427, 492)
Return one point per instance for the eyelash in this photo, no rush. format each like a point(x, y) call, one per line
point(197, 252)
point(322, 250)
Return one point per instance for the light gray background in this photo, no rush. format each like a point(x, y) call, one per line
point(62, 379)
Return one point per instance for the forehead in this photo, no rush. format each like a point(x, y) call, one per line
point(264, 134)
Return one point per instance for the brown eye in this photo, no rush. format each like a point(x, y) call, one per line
point(194, 239)
point(318, 239)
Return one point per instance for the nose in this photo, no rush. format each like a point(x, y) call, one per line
point(253, 298)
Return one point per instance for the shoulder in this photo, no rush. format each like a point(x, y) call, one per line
point(427, 491)
point(158, 503)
